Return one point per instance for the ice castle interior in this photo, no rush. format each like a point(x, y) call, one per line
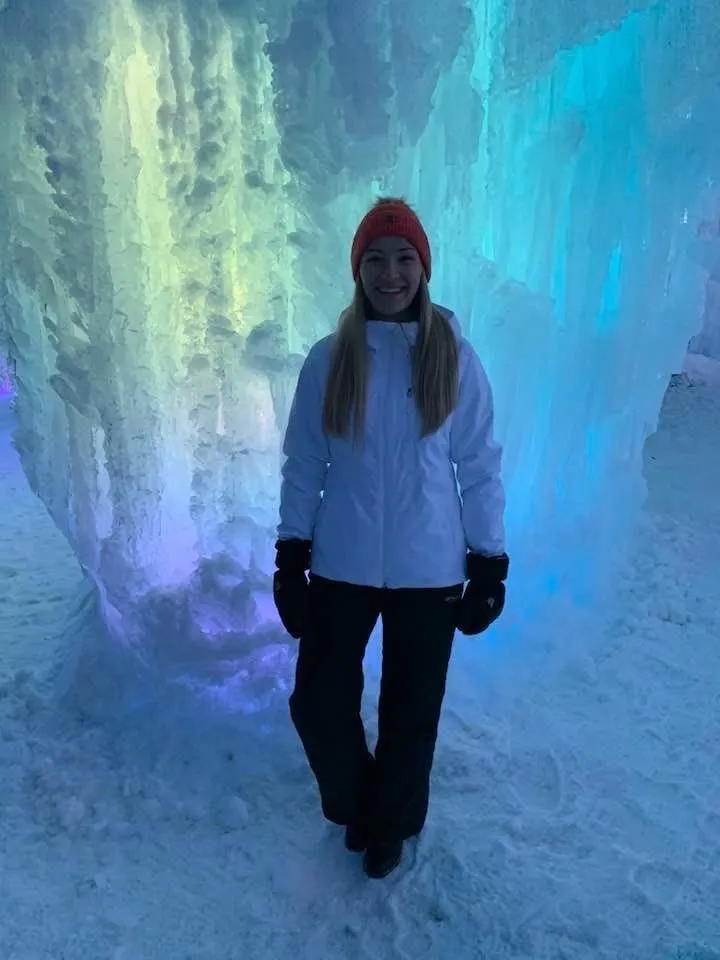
point(179, 183)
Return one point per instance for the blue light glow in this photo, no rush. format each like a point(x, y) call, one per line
point(178, 189)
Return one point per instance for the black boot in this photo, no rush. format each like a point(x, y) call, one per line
point(356, 838)
point(382, 857)
point(357, 832)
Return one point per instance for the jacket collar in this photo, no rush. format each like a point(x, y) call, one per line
point(382, 334)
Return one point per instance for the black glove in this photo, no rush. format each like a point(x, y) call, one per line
point(290, 584)
point(484, 597)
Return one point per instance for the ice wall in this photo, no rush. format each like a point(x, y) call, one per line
point(707, 342)
point(6, 361)
point(178, 186)
point(706, 252)
point(6, 377)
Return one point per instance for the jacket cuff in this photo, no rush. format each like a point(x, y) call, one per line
point(293, 556)
point(487, 569)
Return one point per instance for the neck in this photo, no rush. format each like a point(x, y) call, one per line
point(409, 315)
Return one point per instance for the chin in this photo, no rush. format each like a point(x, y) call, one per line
point(391, 307)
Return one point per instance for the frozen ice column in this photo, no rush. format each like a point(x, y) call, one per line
point(144, 277)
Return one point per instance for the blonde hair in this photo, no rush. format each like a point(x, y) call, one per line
point(434, 360)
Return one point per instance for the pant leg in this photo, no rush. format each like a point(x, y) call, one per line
point(325, 704)
point(418, 630)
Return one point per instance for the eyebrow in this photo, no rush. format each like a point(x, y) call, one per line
point(406, 249)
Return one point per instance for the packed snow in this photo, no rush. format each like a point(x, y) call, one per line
point(576, 808)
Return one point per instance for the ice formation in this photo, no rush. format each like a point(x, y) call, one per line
point(706, 252)
point(6, 358)
point(178, 185)
point(6, 378)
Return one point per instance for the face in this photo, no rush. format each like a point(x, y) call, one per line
point(390, 271)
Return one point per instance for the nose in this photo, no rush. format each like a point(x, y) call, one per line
point(391, 269)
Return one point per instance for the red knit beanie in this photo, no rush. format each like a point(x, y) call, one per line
point(390, 218)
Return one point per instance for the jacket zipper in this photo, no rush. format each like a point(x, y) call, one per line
point(385, 414)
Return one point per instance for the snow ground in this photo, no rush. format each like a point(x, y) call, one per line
point(581, 819)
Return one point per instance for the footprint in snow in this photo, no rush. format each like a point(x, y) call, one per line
point(659, 882)
point(537, 780)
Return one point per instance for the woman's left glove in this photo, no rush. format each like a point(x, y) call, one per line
point(290, 584)
point(484, 597)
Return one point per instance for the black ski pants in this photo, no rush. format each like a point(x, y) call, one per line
point(388, 793)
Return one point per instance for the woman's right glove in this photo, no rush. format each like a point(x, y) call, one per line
point(484, 597)
point(290, 584)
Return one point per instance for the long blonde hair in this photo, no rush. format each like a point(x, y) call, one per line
point(435, 368)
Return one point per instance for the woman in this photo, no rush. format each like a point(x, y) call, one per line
point(392, 499)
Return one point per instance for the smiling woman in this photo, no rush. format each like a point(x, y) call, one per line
point(386, 411)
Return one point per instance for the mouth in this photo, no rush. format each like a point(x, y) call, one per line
point(390, 291)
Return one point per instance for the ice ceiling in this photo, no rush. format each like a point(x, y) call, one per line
point(178, 186)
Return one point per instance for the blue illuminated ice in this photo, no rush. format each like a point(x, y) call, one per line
point(178, 187)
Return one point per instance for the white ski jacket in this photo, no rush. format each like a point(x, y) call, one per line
point(398, 509)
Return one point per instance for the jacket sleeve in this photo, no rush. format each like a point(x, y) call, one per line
point(478, 459)
point(307, 456)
